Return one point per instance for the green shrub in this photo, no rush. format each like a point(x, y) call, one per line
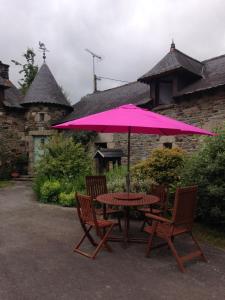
point(63, 161)
point(67, 199)
point(206, 168)
point(116, 179)
point(63, 158)
point(49, 191)
point(141, 186)
point(162, 167)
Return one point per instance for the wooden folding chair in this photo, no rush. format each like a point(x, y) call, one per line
point(95, 186)
point(181, 223)
point(159, 208)
point(88, 220)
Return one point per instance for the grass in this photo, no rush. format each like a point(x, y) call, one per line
point(210, 235)
point(5, 183)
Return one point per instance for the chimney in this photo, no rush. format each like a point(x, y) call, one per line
point(4, 71)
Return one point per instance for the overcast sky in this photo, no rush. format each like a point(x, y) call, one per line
point(130, 35)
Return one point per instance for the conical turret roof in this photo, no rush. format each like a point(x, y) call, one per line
point(44, 89)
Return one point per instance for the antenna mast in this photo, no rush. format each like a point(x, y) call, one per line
point(95, 78)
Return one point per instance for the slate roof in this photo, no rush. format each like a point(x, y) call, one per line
point(109, 153)
point(173, 60)
point(44, 89)
point(213, 76)
point(13, 97)
point(136, 93)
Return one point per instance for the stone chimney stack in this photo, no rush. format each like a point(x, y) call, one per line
point(4, 70)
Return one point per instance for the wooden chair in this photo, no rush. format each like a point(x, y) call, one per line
point(181, 223)
point(96, 185)
point(88, 220)
point(158, 209)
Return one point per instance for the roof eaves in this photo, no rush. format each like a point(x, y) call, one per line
point(197, 90)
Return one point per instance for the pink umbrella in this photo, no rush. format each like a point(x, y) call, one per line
point(132, 119)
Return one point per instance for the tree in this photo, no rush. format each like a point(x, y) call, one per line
point(29, 70)
point(206, 168)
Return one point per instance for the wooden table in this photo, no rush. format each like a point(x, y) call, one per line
point(126, 200)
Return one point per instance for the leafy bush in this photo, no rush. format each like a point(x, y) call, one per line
point(206, 168)
point(67, 199)
point(63, 159)
point(116, 179)
point(162, 167)
point(49, 191)
point(64, 162)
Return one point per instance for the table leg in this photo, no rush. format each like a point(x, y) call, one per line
point(104, 212)
point(126, 225)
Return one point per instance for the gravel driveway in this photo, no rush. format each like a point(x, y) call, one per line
point(37, 261)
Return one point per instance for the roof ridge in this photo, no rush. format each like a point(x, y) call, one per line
point(115, 87)
point(188, 56)
point(213, 58)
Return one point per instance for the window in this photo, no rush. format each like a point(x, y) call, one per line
point(168, 145)
point(100, 145)
point(163, 91)
point(41, 117)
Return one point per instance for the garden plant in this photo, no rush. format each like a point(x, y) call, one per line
point(61, 170)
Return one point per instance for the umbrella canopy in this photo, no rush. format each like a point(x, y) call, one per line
point(130, 118)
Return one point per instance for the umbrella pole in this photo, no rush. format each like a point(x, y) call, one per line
point(128, 163)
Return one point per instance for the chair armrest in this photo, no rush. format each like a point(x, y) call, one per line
point(158, 218)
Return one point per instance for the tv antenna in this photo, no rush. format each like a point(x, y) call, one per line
point(95, 78)
point(43, 48)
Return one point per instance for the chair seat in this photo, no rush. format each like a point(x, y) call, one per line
point(102, 223)
point(154, 211)
point(164, 229)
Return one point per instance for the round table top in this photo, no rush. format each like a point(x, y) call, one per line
point(127, 199)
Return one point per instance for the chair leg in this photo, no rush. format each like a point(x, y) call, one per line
point(102, 242)
point(198, 246)
point(92, 241)
point(76, 248)
point(99, 245)
point(149, 245)
point(101, 236)
point(143, 225)
point(175, 254)
point(119, 223)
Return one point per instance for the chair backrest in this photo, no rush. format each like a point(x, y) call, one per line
point(96, 185)
point(85, 208)
point(184, 206)
point(161, 192)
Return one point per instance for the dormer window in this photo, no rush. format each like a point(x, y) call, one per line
point(164, 92)
point(41, 117)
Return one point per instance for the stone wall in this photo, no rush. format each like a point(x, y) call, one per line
point(206, 110)
point(19, 126)
point(12, 135)
point(40, 116)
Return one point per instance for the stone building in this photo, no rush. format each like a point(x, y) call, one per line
point(178, 86)
point(25, 121)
